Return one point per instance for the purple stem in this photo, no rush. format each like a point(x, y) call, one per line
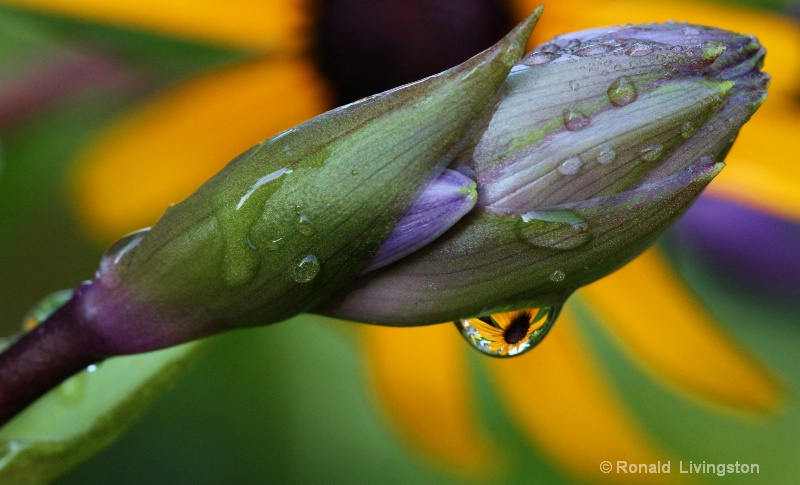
point(42, 359)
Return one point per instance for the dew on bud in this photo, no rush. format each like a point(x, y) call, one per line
point(640, 49)
point(687, 130)
point(306, 270)
point(554, 229)
point(557, 276)
point(276, 244)
point(622, 92)
point(606, 155)
point(594, 50)
point(537, 58)
point(117, 257)
point(574, 120)
point(571, 166)
point(305, 226)
point(652, 153)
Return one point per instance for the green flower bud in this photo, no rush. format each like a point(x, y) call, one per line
point(601, 140)
point(290, 222)
point(491, 187)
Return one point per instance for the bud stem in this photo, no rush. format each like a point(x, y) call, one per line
point(42, 359)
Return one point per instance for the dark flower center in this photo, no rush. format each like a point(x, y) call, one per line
point(367, 46)
point(518, 328)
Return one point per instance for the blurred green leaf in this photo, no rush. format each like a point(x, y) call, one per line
point(85, 413)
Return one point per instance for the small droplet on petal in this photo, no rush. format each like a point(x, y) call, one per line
point(594, 50)
point(275, 244)
point(509, 334)
point(537, 58)
point(554, 229)
point(640, 49)
point(705, 160)
point(305, 226)
point(574, 120)
point(306, 270)
point(550, 48)
point(117, 258)
point(652, 153)
point(622, 92)
point(687, 129)
point(574, 85)
point(606, 156)
point(571, 166)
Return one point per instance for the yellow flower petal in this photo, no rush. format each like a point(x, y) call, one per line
point(651, 312)
point(569, 410)
point(422, 380)
point(778, 34)
point(260, 24)
point(164, 150)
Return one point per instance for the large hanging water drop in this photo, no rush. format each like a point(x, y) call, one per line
point(509, 334)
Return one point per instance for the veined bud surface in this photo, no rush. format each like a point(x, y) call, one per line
point(600, 141)
point(504, 183)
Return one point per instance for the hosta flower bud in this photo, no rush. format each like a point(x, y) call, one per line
point(602, 138)
point(500, 184)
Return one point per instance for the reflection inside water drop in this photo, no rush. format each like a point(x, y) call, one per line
point(511, 333)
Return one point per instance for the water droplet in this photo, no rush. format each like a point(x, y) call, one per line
point(652, 153)
point(574, 120)
point(554, 229)
point(640, 49)
point(606, 156)
point(353, 172)
point(44, 308)
point(573, 44)
point(306, 270)
point(594, 50)
point(551, 48)
point(571, 166)
point(622, 92)
point(574, 85)
point(511, 333)
point(9, 448)
point(705, 160)
point(260, 183)
point(538, 58)
point(92, 368)
point(305, 226)
point(687, 129)
point(276, 244)
point(117, 258)
point(72, 389)
point(557, 276)
point(240, 264)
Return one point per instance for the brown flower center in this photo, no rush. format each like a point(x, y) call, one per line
point(518, 328)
